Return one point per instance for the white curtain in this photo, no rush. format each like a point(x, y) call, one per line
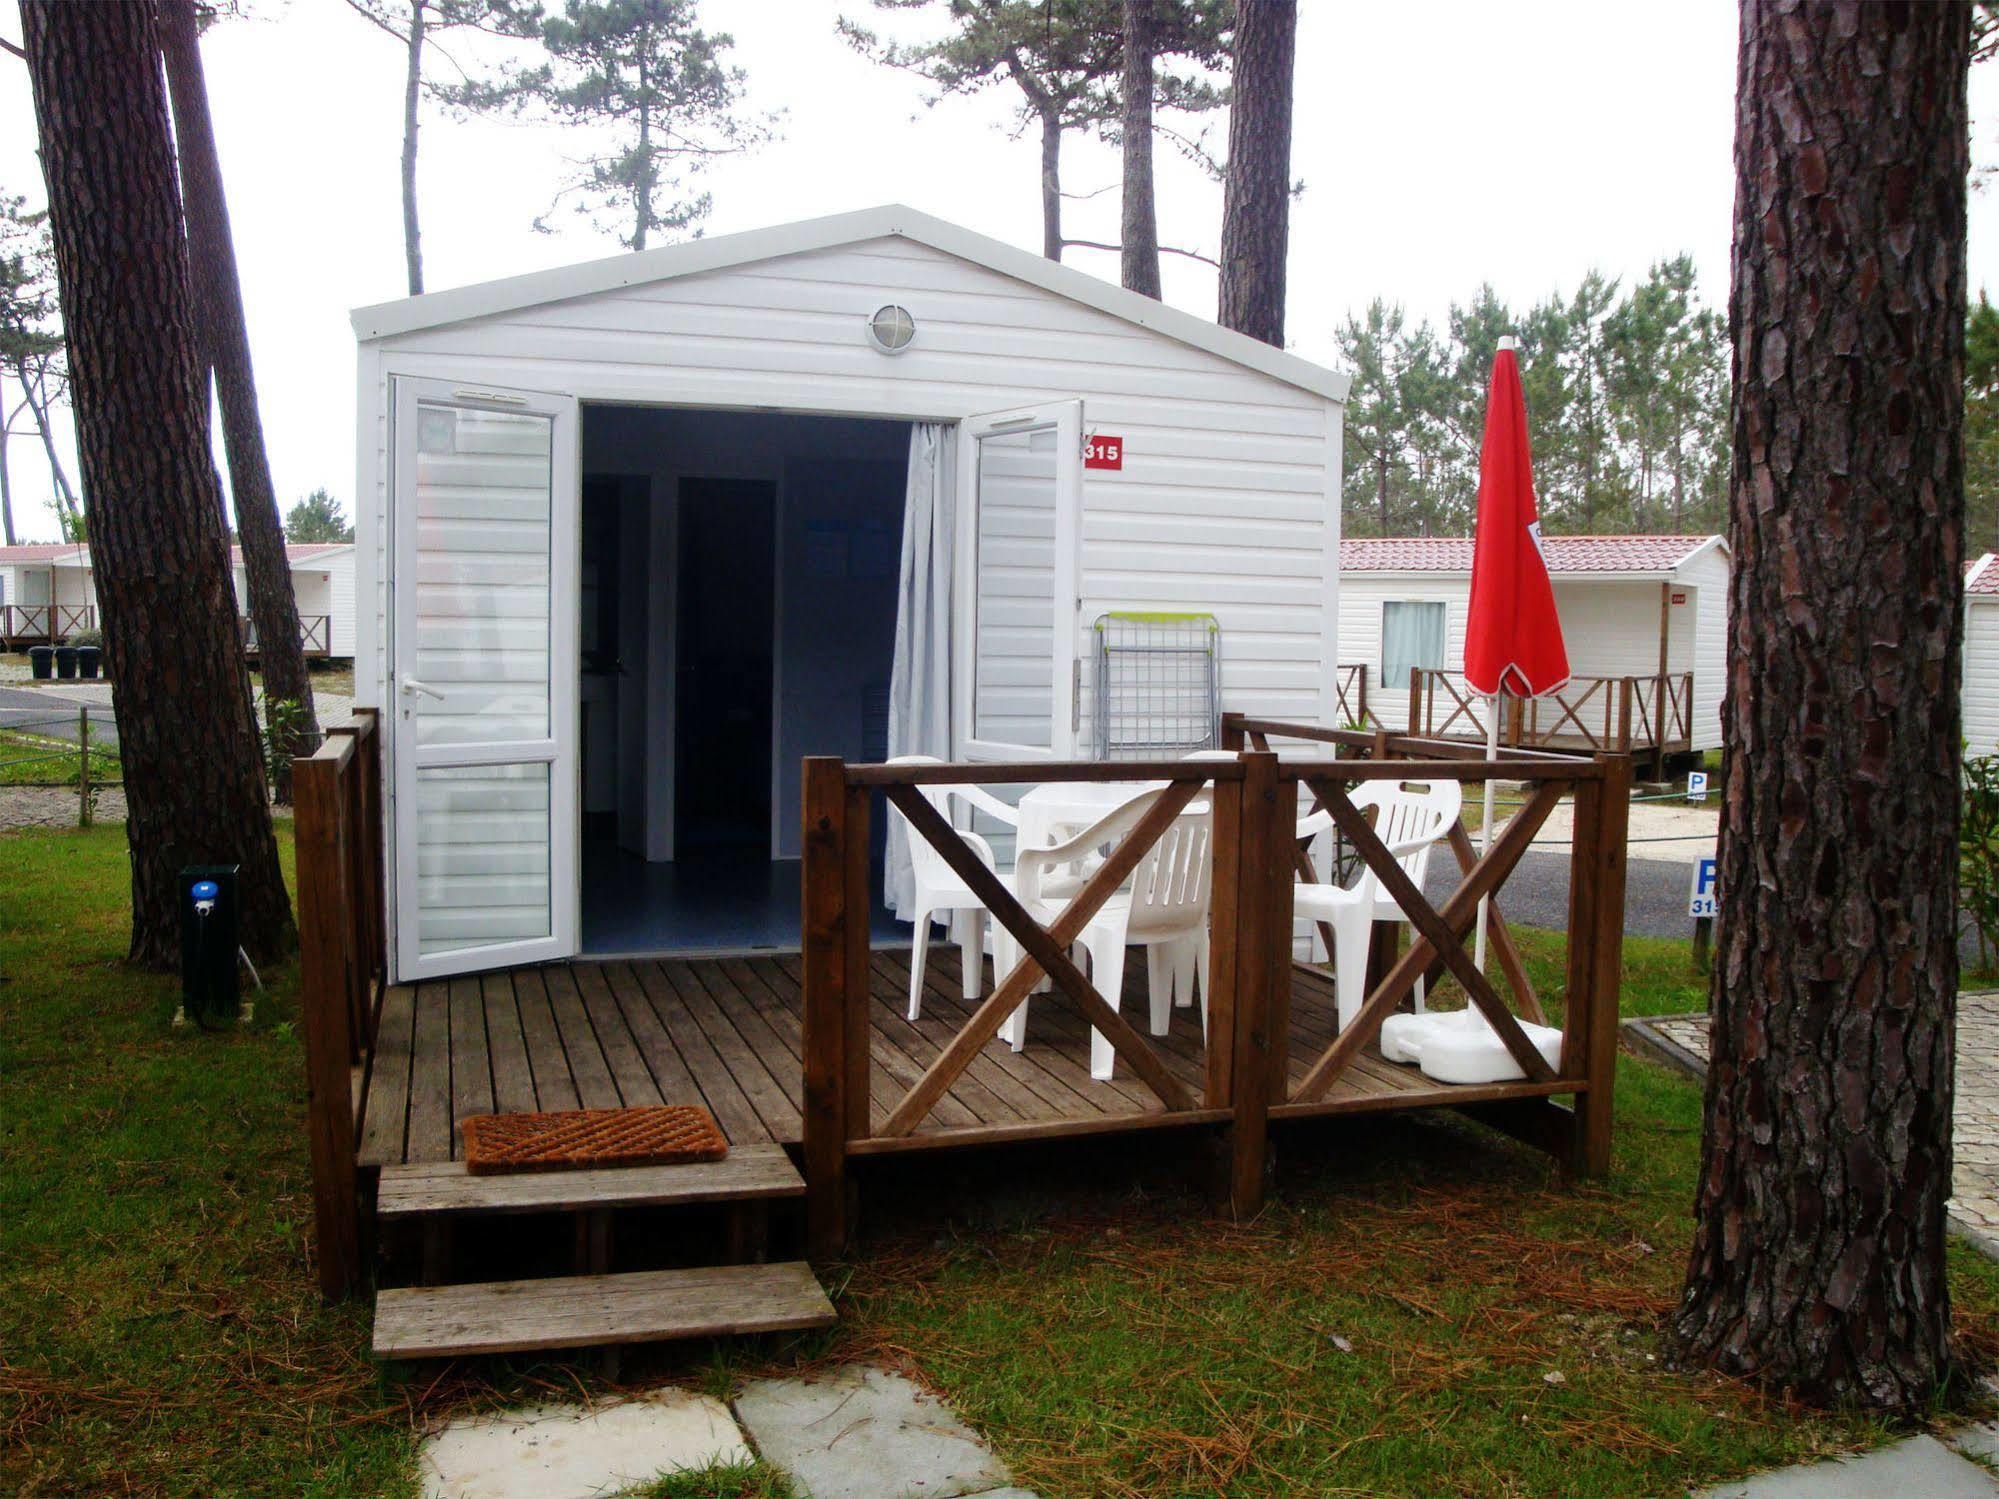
point(1412, 635)
point(919, 701)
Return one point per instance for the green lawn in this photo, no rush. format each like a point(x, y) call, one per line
point(32, 759)
point(1423, 1309)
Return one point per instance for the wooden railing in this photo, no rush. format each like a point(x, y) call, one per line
point(1350, 686)
point(343, 948)
point(1622, 715)
point(1245, 1080)
point(315, 633)
point(46, 623)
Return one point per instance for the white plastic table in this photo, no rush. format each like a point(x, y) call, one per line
point(1061, 809)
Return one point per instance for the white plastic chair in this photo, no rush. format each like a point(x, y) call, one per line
point(1410, 821)
point(1162, 905)
point(938, 887)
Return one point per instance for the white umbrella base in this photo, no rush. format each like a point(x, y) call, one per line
point(1457, 1046)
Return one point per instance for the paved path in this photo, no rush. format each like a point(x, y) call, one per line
point(53, 711)
point(1974, 1122)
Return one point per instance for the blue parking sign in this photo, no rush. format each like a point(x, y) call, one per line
point(1703, 899)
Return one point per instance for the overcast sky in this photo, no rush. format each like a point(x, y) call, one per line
point(1441, 145)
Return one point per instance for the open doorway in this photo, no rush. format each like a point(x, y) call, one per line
point(754, 562)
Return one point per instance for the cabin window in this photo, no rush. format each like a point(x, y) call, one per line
point(1412, 635)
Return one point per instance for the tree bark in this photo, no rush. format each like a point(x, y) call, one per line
point(1051, 182)
point(1256, 204)
point(1818, 1257)
point(1139, 232)
point(412, 92)
point(194, 788)
point(225, 341)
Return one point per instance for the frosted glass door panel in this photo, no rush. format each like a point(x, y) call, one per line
point(480, 642)
point(482, 856)
point(1014, 691)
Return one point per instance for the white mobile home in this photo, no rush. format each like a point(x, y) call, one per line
point(1650, 611)
point(636, 535)
point(1981, 655)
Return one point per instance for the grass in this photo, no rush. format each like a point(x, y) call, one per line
point(29, 759)
point(1424, 1307)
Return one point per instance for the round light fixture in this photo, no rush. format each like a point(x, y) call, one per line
point(891, 329)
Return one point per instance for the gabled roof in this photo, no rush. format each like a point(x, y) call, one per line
point(36, 551)
point(1642, 556)
point(538, 288)
point(1981, 576)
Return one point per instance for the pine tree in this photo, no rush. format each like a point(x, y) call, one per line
point(1256, 209)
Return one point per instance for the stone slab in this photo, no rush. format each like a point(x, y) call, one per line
point(864, 1433)
point(578, 1451)
point(1918, 1466)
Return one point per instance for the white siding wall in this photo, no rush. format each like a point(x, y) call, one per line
point(1981, 676)
point(1361, 598)
point(339, 568)
point(1228, 496)
point(1707, 579)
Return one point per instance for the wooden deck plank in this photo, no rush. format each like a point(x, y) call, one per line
point(548, 1059)
point(775, 1103)
point(777, 997)
point(589, 1068)
point(429, 1135)
point(629, 1072)
point(471, 1065)
point(999, 1069)
point(586, 1310)
point(513, 1079)
point(749, 1172)
point(683, 1062)
point(890, 1027)
point(385, 1111)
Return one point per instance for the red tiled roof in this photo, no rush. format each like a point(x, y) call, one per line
point(1566, 554)
point(46, 551)
point(1981, 575)
point(296, 551)
point(36, 551)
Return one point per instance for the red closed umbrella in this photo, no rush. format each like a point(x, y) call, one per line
point(1513, 636)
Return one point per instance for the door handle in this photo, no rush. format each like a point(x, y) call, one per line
point(411, 687)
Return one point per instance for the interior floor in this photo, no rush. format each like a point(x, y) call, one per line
point(707, 903)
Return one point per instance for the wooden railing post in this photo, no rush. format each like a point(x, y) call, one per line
point(835, 906)
point(324, 1020)
point(1262, 998)
point(1360, 697)
point(1596, 956)
point(1232, 735)
point(1414, 724)
point(1622, 743)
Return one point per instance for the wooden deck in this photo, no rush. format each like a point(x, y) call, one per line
point(726, 1033)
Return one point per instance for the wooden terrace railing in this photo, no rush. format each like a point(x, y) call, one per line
point(343, 951)
point(1621, 715)
point(1350, 687)
point(315, 633)
point(1246, 1079)
point(45, 623)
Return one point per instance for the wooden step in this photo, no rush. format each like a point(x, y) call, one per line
point(648, 1306)
point(748, 1173)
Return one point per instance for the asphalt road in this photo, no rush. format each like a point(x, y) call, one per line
point(1655, 896)
point(45, 713)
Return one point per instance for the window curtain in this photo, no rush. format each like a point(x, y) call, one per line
point(919, 701)
point(1412, 635)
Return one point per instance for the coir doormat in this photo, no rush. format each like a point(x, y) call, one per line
point(656, 1135)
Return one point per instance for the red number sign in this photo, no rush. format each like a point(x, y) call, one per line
point(1103, 451)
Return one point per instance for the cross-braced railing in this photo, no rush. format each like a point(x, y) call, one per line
point(1622, 715)
point(1246, 1075)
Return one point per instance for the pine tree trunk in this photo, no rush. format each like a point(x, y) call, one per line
point(1818, 1258)
point(35, 390)
point(1256, 205)
point(187, 736)
point(1051, 182)
point(412, 91)
point(218, 299)
point(1139, 235)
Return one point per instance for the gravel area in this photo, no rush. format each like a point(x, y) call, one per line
point(1974, 1123)
point(53, 807)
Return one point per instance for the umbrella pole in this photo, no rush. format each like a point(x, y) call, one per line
point(1485, 825)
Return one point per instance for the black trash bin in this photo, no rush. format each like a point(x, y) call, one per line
point(41, 659)
point(66, 661)
point(87, 657)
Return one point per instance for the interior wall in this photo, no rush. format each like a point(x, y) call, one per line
point(830, 636)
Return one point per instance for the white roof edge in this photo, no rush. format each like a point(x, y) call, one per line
point(1979, 569)
point(1710, 543)
point(1598, 575)
point(511, 293)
